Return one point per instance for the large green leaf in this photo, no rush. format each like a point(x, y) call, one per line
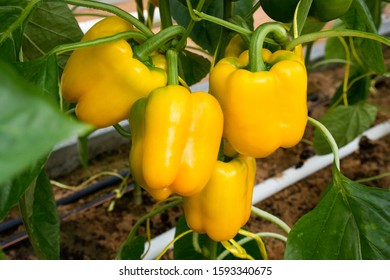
point(360, 117)
point(351, 221)
point(13, 17)
point(39, 213)
point(43, 73)
point(51, 24)
point(30, 126)
point(12, 190)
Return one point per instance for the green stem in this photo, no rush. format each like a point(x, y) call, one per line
point(210, 248)
point(377, 177)
point(114, 10)
point(140, 10)
point(311, 37)
point(328, 136)
point(19, 21)
point(245, 240)
point(122, 131)
point(109, 39)
point(256, 62)
point(165, 13)
point(173, 74)
point(224, 23)
point(150, 214)
point(158, 41)
point(273, 219)
point(195, 242)
point(347, 70)
point(181, 44)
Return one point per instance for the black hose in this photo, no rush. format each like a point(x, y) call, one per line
point(16, 238)
point(12, 223)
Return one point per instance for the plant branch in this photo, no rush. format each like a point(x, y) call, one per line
point(273, 219)
point(329, 138)
point(311, 37)
point(114, 10)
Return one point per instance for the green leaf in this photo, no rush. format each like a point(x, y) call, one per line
point(358, 92)
point(13, 17)
point(351, 222)
point(39, 213)
point(359, 17)
point(206, 34)
point(30, 125)
point(132, 249)
point(51, 24)
point(189, 61)
point(345, 124)
point(183, 248)
point(43, 73)
point(303, 11)
point(12, 190)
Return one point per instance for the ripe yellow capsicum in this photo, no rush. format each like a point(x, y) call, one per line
point(222, 207)
point(105, 80)
point(175, 140)
point(266, 109)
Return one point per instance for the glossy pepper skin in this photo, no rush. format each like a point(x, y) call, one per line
point(105, 80)
point(175, 140)
point(263, 110)
point(224, 205)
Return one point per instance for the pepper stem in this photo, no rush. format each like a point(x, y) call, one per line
point(114, 10)
point(158, 41)
point(173, 74)
point(256, 62)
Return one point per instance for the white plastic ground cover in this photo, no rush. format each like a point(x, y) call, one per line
point(289, 176)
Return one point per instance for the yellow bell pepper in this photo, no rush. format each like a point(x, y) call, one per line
point(222, 207)
point(105, 80)
point(175, 140)
point(263, 110)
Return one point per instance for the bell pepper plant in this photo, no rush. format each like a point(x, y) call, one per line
point(195, 150)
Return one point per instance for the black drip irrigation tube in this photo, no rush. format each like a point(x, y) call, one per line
point(12, 223)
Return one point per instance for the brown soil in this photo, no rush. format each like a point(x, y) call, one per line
point(97, 233)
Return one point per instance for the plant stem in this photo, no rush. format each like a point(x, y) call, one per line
point(173, 75)
point(271, 218)
point(183, 41)
point(247, 239)
point(210, 249)
point(114, 10)
point(329, 138)
point(256, 62)
point(150, 214)
point(165, 13)
point(17, 23)
point(222, 22)
point(109, 39)
point(140, 10)
point(311, 37)
point(347, 70)
point(158, 41)
point(377, 177)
